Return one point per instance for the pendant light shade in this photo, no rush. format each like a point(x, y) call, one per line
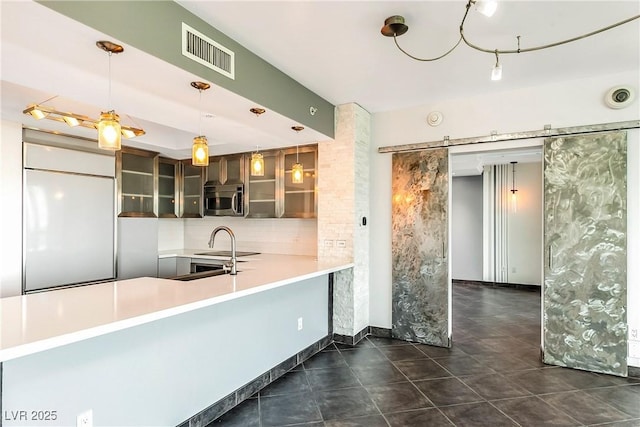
point(297, 173)
point(200, 151)
point(109, 137)
point(257, 164)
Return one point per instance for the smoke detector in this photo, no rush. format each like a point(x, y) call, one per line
point(434, 118)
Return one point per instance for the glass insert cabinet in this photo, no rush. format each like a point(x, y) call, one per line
point(274, 195)
point(153, 186)
point(150, 185)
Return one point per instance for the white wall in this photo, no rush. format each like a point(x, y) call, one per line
point(11, 209)
point(525, 227)
point(466, 227)
point(571, 103)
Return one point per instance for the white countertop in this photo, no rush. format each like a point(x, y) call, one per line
point(41, 321)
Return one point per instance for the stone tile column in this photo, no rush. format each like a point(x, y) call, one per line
point(343, 202)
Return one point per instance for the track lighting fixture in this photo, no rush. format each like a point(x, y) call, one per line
point(395, 26)
point(108, 124)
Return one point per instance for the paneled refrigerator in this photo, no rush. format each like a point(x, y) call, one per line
point(68, 217)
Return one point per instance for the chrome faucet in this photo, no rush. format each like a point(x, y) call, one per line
point(233, 259)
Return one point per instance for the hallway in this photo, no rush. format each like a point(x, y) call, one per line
point(491, 377)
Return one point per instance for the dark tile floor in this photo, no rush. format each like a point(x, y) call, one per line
point(491, 377)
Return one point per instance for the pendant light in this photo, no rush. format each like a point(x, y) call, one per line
point(200, 149)
point(257, 160)
point(257, 163)
point(514, 190)
point(109, 136)
point(297, 170)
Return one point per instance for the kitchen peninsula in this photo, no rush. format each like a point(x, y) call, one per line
point(151, 351)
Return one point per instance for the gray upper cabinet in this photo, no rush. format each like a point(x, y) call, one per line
point(261, 193)
point(274, 195)
point(193, 178)
point(226, 169)
point(153, 186)
point(300, 200)
point(168, 188)
point(137, 184)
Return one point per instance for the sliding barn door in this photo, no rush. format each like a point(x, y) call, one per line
point(585, 232)
point(420, 271)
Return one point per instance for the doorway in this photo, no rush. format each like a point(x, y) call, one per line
point(496, 241)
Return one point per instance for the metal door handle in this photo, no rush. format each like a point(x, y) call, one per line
point(234, 199)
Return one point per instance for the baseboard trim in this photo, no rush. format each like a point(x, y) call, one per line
point(235, 398)
point(633, 371)
point(524, 287)
point(351, 340)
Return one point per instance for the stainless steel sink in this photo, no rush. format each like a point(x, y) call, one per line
point(200, 275)
point(226, 253)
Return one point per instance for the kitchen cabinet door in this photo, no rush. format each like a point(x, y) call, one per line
point(234, 169)
point(300, 199)
point(137, 171)
point(192, 187)
point(168, 188)
point(262, 191)
point(226, 169)
point(585, 234)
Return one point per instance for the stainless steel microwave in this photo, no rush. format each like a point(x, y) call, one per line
point(224, 200)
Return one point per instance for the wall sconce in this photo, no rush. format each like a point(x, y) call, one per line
point(514, 190)
point(297, 170)
point(257, 164)
point(200, 149)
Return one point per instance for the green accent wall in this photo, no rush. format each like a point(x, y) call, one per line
point(155, 27)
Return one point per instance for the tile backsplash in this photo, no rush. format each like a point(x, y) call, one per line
point(280, 236)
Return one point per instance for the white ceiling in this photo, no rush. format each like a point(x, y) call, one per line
point(333, 47)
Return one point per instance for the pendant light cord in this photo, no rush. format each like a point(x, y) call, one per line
point(109, 103)
point(200, 113)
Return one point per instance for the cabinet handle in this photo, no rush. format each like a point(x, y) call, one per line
point(443, 257)
point(234, 200)
point(550, 257)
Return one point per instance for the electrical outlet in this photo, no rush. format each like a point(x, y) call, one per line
point(634, 334)
point(328, 243)
point(85, 419)
point(341, 244)
point(299, 323)
point(513, 269)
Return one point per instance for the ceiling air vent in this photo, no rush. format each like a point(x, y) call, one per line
point(207, 52)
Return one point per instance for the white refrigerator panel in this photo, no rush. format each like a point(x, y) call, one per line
point(69, 229)
point(137, 247)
